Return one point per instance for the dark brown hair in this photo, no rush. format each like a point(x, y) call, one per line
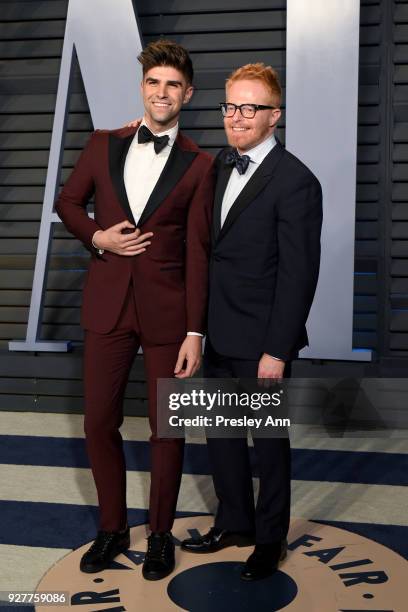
point(167, 53)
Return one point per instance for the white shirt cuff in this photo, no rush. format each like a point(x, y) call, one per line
point(195, 334)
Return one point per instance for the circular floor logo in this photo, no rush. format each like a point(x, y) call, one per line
point(327, 570)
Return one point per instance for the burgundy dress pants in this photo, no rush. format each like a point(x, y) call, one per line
point(107, 362)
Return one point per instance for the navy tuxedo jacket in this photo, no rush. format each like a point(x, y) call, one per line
point(265, 259)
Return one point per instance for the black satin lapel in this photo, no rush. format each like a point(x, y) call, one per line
point(220, 187)
point(256, 183)
point(118, 150)
point(176, 165)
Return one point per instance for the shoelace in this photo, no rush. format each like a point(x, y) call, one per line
point(156, 547)
point(103, 539)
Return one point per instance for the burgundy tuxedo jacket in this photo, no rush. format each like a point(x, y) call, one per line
point(170, 278)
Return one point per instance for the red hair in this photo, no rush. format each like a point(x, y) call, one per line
point(259, 72)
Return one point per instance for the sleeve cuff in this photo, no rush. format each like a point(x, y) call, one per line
point(99, 251)
point(273, 357)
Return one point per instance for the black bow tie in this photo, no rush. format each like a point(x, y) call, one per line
point(145, 135)
point(241, 162)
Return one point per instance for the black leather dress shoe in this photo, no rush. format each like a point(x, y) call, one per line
point(216, 539)
point(107, 546)
point(159, 560)
point(264, 561)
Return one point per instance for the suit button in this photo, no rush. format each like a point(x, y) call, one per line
point(216, 258)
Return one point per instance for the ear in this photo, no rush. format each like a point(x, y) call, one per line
point(189, 92)
point(275, 116)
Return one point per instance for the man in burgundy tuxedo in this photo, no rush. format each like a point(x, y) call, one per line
point(146, 286)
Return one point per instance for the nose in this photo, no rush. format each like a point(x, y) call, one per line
point(162, 92)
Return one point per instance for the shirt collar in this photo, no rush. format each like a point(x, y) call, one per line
point(258, 153)
point(171, 133)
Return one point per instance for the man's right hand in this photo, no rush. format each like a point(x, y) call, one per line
point(133, 123)
point(128, 244)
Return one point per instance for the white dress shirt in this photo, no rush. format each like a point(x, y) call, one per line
point(143, 167)
point(238, 181)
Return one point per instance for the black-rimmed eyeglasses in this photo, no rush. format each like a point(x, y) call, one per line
point(247, 110)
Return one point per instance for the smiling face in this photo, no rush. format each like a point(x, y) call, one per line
point(242, 133)
point(164, 90)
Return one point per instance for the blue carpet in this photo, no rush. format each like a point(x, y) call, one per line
point(315, 465)
point(71, 525)
point(55, 525)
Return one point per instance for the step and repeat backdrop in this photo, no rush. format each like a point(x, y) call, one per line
point(220, 35)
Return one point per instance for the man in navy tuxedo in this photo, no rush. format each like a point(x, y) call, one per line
point(263, 273)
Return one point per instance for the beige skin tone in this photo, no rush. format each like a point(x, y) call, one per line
point(245, 134)
point(164, 90)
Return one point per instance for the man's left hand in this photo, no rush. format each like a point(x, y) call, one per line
point(190, 351)
point(269, 367)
